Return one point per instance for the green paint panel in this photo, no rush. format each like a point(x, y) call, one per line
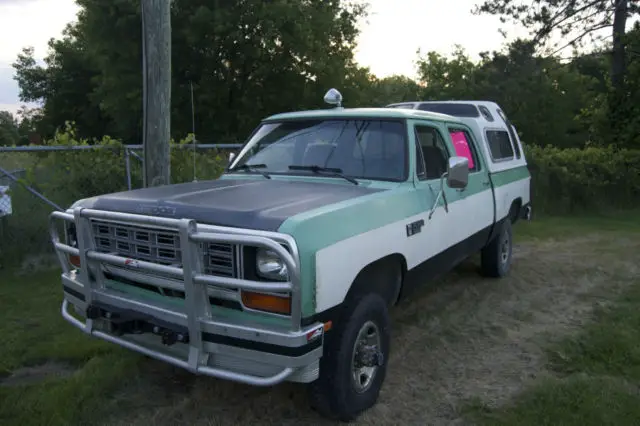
point(508, 176)
point(218, 311)
point(325, 226)
point(476, 184)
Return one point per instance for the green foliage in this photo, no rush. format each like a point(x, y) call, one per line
point(577, 23)
point(396, 88)
point(627, 121)
point(248, 59)
point(9, 135)
point(67, 176)
point(447, 78)
point(583, 180)
point(245, 58)
point(546, 100)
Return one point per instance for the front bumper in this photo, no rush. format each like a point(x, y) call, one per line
point(191, 336)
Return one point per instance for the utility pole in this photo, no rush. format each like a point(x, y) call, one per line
point(156, 97)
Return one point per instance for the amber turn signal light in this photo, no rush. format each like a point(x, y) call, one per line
point(74, 260)
point(267, 302)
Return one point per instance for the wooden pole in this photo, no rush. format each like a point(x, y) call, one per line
point(156, 76)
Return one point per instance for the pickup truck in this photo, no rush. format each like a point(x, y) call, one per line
point(285, 267)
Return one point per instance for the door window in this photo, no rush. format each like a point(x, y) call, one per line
point(434, 151)
point(464, 147)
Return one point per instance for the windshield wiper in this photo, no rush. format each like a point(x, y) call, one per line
point(252, 168)
point(318, 169)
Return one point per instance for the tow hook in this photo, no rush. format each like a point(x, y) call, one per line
point(170, 337)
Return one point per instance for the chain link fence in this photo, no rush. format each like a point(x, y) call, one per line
point(5, 199)
point(38, 180)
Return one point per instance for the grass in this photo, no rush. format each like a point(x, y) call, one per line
point(60, 375)
point(55, 375)
point(575, 401)
point(595, 375)
point(560, 227)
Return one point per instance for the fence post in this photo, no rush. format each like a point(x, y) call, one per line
point(127, 163)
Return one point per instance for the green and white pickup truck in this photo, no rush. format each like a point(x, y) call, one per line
point(285, 267)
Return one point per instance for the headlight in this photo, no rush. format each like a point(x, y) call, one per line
point(270, 266)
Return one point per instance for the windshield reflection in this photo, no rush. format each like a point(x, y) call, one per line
point(364, 148)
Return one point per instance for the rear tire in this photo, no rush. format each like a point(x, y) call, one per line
point(353, 366)
point(496, 257)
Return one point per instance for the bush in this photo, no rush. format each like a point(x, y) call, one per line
point(593, 179)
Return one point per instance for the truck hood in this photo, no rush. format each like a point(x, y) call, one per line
point(253, 204)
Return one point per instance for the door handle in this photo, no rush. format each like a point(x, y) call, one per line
point(486, 183)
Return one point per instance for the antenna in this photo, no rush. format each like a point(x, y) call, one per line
point(193, 129)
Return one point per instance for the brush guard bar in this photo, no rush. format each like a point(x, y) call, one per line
point(197, 316)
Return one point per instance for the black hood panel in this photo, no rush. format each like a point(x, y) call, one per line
point(255, 204)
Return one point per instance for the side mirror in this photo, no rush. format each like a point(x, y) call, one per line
point(458, 172)
point(457, 176)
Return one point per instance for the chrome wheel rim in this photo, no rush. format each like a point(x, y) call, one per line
point(367, 357)
point(505, 248)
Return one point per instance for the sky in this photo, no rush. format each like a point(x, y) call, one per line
point(389, 39)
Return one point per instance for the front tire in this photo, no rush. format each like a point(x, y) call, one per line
point(496, 257)
point(354, 364)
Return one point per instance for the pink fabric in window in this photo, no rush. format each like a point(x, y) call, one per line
point(462, 146)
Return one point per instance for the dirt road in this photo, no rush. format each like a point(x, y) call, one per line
point(463, 338)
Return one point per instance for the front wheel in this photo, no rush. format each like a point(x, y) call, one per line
point(496, 256)
point(354, 364)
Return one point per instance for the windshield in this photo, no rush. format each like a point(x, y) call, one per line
point(360, 148)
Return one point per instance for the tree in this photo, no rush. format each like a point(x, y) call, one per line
point(544, 98)
point(574, 21)
point(447, 78)
point(8, 129)
point(378, 92)
point(245, 58)
point(627, 130)
point(28, 124)
point(64, 87)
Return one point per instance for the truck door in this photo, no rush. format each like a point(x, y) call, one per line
point(477, 198)
point(442, 234)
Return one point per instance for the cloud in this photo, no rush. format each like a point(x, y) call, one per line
point(28, 23)
point(9, 90)
point(15, 2)
point(394, 31)
point(32, 23)
point(8, 86)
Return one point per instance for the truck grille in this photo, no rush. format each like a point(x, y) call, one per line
point(162, 247)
